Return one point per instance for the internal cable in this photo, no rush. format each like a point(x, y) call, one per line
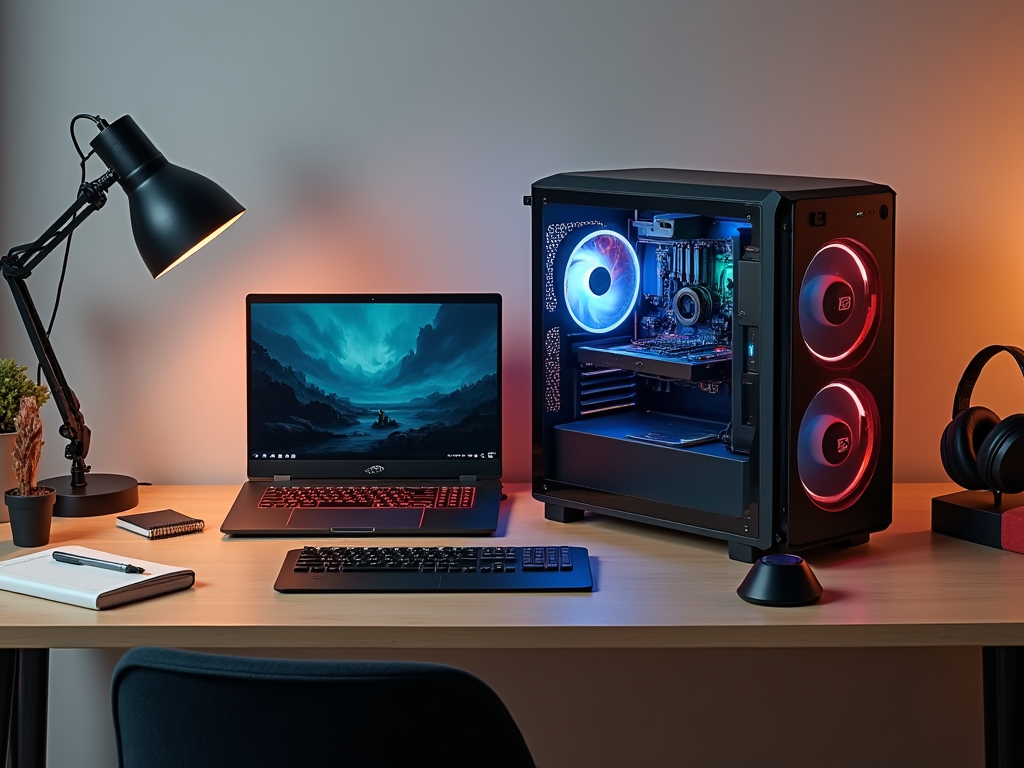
point(725, 436)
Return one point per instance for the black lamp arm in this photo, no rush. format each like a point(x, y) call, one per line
point(16, 266)
point(92, 195)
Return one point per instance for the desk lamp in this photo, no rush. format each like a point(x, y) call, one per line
point(174, 213)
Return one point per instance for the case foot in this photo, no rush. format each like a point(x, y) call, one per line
point(856, 541)
point(562, 514)
point(743, 553)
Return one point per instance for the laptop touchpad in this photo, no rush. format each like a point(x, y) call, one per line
point(364, 520)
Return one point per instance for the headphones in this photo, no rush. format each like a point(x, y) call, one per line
point(978, 450)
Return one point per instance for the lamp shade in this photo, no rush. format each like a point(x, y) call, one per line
point(174, 211)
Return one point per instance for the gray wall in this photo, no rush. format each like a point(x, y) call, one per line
point(386, 146)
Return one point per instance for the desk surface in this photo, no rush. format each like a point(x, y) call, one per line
point(653, 589)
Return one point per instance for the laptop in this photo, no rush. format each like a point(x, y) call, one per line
point(371, 415)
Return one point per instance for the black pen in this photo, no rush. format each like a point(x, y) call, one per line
point(64, 557)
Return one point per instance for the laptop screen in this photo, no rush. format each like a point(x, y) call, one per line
point(385, 385)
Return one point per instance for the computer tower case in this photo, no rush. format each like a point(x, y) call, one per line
point(713, 353)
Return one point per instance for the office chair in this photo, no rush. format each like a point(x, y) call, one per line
point(178, 708)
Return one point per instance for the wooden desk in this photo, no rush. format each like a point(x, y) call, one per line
point(655, 589)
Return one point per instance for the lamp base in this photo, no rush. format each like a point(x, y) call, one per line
point(104, 495)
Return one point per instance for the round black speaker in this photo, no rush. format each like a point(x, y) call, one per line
point(838, 444)
point(780, 580)
point(840, 303)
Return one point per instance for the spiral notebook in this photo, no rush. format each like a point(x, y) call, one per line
point(160, 524)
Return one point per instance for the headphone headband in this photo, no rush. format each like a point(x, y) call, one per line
point(962, 398)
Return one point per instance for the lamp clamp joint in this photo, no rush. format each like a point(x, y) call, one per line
point(74, 450)
point(95, 192)
point(11, 269)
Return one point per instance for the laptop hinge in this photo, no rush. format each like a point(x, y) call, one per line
point(282, 478)
point(467, 479)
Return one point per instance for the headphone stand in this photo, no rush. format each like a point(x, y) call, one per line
point(991, 518)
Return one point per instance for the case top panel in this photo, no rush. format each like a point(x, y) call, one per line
point(720, 185)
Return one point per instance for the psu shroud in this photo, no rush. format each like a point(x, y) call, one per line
point(713, 353)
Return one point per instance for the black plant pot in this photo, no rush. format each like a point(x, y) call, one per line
point(30, 517)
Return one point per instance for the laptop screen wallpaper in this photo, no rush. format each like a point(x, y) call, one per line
point(373, 380)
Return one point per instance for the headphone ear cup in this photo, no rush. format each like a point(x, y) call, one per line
point(960, 443)
point(1001, 456)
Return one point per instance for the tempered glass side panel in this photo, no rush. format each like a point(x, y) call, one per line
point(638, 329)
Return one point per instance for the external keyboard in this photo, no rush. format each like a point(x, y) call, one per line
point(290, 496)
point(435, 569)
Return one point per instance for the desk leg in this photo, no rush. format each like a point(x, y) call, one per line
point(1003, 679)
point(8, 664)
point(28, 732)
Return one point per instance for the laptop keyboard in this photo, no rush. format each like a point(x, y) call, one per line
point(435, 569)
point(451, 497)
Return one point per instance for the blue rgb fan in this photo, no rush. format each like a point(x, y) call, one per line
point(602, 281)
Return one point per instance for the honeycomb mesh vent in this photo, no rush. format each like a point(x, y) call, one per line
point(553, 237)
point(552, 370)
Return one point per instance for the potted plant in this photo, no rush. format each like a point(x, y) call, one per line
point(14, 385)
point(30, 506)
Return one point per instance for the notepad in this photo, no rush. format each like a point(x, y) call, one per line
point(39, 575)
point(160, 524)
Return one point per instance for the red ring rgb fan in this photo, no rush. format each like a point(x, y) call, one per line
point(840, 304)
point(838, 444)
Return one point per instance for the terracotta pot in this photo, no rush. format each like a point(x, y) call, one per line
point(30, 517)
point(7, 476)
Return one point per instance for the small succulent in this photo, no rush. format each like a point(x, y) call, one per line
point(28, 446)
point(14, 385)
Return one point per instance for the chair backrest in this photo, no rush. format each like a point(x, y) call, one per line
point(177, 709)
